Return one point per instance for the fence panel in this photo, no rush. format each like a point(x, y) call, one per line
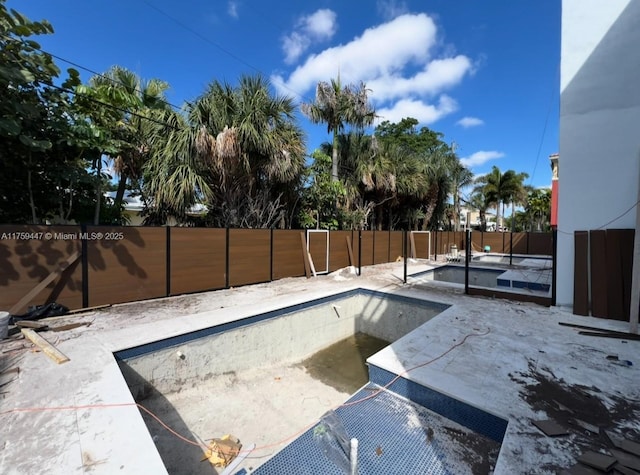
point(395, 246)
point(541, 243)
point(494, 241)
point(249, 256)
point(421, 241)
point(598, 250)
point(338, 250)
point(520, 243)
point(381, 247)
point(581, 275)
point(367, 248)
point(127, 264)
point(28, 254)
point(197, 259)
point(287, 253)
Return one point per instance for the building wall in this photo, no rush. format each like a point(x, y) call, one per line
point(599, 123)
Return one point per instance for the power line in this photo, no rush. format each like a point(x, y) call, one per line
point(544, 129)
point(216, 45)
point(120, 109)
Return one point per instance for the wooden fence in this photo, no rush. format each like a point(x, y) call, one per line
point(88, 266)
point(603, 267)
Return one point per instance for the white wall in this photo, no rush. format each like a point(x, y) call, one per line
point(599, 123)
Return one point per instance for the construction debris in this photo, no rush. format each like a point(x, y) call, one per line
point(50, 350)
point(221, 452)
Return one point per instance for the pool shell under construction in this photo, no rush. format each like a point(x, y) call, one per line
point(508, 359)
point(291, 334)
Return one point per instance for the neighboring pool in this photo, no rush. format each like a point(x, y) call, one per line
point(478, 277)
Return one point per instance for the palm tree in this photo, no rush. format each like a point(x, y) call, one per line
point(338, 106)
point(461, 177)
point(133, 100)
point(478, 200)
point(237, 149)
point(499, 188)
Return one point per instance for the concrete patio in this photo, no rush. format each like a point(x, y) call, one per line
point(510, 359)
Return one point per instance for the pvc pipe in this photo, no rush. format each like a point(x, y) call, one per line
point(354, 457)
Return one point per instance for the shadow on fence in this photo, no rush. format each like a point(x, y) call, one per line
point(123, 264)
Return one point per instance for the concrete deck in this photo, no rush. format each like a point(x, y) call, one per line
point(79, 417)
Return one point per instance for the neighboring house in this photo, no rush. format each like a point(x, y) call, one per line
point(599, 124)
point(133, 207)
point(473, 217)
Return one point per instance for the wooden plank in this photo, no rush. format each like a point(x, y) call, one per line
point(599, 294)
point(597, 460)
point(305, 256)
point(615, 285)
point(580, 273)
point(40, 287)
point(626, 459)
point(50, 350)
point(352, 261)
point(551, 428)
point(413, 245)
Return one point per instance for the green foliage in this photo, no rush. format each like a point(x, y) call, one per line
point(320, 196)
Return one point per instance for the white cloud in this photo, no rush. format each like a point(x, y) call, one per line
point(396, 60)
point(232, 8)
point(390, 9)
point(467, 122)
point(480, 158)
point(319, 26)
point(418, 109)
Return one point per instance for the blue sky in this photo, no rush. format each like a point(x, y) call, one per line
point(485, 74)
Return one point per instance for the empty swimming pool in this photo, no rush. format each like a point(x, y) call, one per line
point(478, 277)
point(245, 377)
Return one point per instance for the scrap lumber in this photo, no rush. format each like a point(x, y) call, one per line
point(626, 459)
point(550, 428)
point(50, 350)
point(597, 460)
point(619, 335)
point(41, 286)
point(305, 255)
point(31, 324)
point(352, 261)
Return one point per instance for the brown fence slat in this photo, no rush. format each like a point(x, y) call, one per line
point(614, 278)
point(599, 287)
point(27, 259)
point(541, 244)
point(580, 273)
point(494, 241)
point(381, 248)
point(395, 246)
point(421, 241)
point(249, 256)
point(519, 243)
point(338, 250)
point(627, 237)
point(197, 259)
point(287, 257)
point(127, 268)
point(367, 248)
point(476, 241)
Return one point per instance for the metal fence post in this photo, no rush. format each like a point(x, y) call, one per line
point(554, 268)
point(226, 260)
point(168, 256)
point(360, 252)
point(85, 266)
point(404, 253)
point(467, 260)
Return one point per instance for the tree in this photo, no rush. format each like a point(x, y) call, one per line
point(43, 173)
point(461, 177)
point(238, 150)
point(478, 200)
point(538, 208)
point(499, 188)
point(319, 197)
point(338, 106)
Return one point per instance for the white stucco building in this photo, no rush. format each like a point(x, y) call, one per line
point(599, 123)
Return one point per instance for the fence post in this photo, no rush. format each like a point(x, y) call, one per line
point(436, 247)
point(85, 266)
point(554, 266)
point(467, 260)
point(168, 257)
point(359, 252)
point(404, 253)
point(226, 259)
point(271, 256)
